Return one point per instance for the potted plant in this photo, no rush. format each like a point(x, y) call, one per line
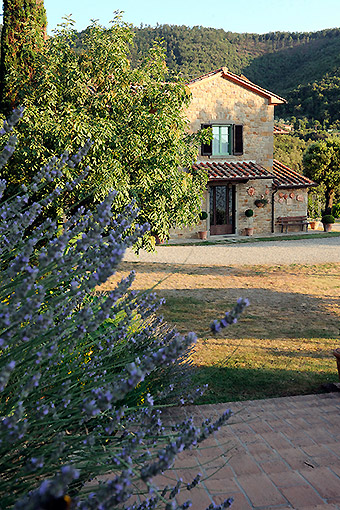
point(202, 234)
point(249, 213)
point(261, 202)
point(327, 221)
point(313, 222)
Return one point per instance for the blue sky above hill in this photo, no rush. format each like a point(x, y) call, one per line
point(259, 16)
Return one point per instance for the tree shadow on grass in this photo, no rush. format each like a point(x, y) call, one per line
point(227, 384)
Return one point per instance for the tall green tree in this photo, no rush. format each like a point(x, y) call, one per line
point(141, 146)
point(22, 38)
point(322, 164)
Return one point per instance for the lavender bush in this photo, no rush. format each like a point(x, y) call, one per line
point(79, 371)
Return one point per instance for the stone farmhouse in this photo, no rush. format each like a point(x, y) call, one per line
point(239, 161)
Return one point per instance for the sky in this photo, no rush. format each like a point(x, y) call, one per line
point(258, 16)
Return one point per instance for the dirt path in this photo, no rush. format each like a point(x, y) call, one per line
point(303, 251)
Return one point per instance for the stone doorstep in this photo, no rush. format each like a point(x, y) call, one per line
point(233, 238)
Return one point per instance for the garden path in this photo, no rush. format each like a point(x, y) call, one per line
point(302, 251)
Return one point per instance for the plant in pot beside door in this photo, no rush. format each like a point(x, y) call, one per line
point(249, 213)
point(261, 202)
point(202, 234)
point(327, 222)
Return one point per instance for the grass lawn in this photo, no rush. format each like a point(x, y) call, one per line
point(283, 343)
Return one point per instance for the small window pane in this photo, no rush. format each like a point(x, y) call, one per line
point(216, 139)
point(224, 139)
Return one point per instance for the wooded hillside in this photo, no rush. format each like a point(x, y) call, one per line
point(303, 67)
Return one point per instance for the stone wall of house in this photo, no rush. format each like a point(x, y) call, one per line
point(216, 99)
point(290, 202)
point(246, 194)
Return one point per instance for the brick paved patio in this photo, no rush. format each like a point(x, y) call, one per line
point(274, 454)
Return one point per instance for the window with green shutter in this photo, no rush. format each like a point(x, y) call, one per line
point(227, 140)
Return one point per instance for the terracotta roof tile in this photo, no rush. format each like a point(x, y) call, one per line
point(285, 177)
point(236, 171)
point(282, 175)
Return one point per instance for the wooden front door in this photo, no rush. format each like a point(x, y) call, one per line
point(222, 209)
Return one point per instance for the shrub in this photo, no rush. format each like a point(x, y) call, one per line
point(328, 218)
point(249, 213)
point(203, 215)
point(77, 371)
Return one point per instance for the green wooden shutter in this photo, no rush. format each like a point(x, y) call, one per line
point(238, 139)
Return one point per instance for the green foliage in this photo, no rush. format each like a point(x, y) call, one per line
point(316, 202)
point(289, 150)
point(336, 210)
point(88, 90)
point(249, 213)
point(328, 218)
point(321, 162)
point(22, 38)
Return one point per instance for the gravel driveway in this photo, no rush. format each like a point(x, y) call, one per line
point(304, 251)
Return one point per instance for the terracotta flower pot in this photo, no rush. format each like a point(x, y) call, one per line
point(202, 234)
point(249, 231)
point(313, 224)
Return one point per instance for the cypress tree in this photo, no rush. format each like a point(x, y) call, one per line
point(23, 36)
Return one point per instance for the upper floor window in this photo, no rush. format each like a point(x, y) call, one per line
point(221, 142)
point(227, 140)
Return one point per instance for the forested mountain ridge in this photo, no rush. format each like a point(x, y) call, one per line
point(302, 67)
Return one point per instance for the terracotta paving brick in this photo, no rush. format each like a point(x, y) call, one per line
point(261, 451)
point(260, 490)
point(335, 447)
point(277, 440)
point(302, 496)
point(295, 457)
point(246, 439)
point(259, 426)
point(320, 435)
point(336, 469)
point(325, 482)
point(287, 479)
point(221, 481)
point(321, 455)
point(244, 465)
point(275, 466)
point(299, 438)
point(320, 507)
point(240, 501)
point(278, 425)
